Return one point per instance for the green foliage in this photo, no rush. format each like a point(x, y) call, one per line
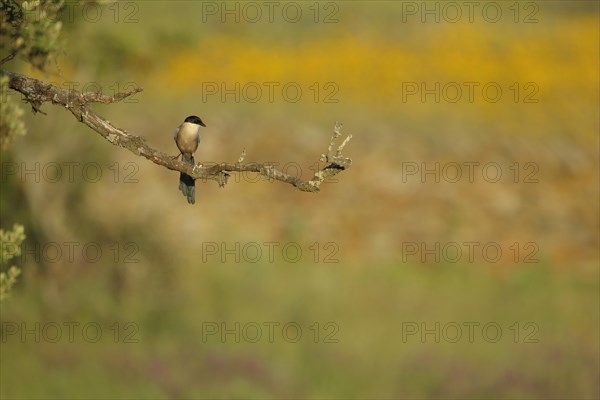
point(11, 124)
point(30, 29)
point(7, 281)
point(10, 247)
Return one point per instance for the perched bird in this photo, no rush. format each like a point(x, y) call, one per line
point(187, 138)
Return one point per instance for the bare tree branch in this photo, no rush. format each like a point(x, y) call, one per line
point(8, 57)
point(36, 93)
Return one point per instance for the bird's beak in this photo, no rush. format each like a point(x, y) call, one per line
point(202, 123)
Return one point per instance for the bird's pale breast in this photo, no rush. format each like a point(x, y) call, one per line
point(188, 137)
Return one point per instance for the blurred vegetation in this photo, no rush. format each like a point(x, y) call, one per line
point(12, 124)
point(154, 270)
point(10, 247)
point(30, 29)
point(35, 39)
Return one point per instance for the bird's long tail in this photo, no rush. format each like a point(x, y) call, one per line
point(187, 184)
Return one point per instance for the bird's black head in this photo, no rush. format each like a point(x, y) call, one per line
point(194, 120)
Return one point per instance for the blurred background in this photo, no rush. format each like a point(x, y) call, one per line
point(457, 257)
